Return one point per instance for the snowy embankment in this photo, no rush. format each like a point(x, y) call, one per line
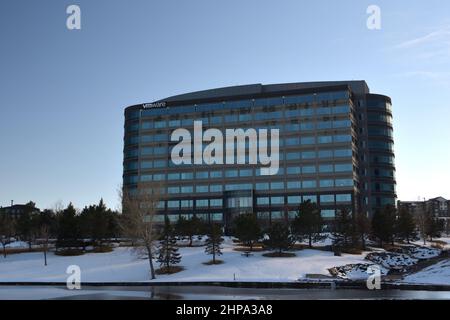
point(123, 265)
point(438, 274)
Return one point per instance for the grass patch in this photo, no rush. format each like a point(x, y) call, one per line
point(352, 251)
point(170, 270)
point(210, 262)
point(102, 249)
point(69, 252)
point(243, 249)
point(21, 250)
point(279, 255)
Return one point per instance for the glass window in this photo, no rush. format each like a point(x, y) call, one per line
point(323, 111)
point(215, 188)
point(294, 185)
point(308, 140)
point(343, 198)
point(215, 202)
point(187, 189)
point(262, 201)
point(187, 175)
point(294, 199)
point(201, 175)
point(325, 168)
point(216, 174)
point(309, 169)
point(202, 203)
point(262, 186)
point(160, 124)
point(146, 164)
point(146, 177)
point(173, 204)
point(325, 139)
point(173, 176)
point(325, 154)
point(311, 198)
point(277, 185)
point(187, 203)
point(309, 184)
point(174, 123)
point(293, 170)
point(245, 172)
point(293, 156)
point(277, 200)
point(277, 215)
point(308, 154)
point(172, 190)
point(216, 216)
point(159, 177)
point(341, 109)
point(231, 173)
point(344, 182)
point(147, 125)
point(202, 188)
point(159, 163)
point(326, 183)
point(293, 141)
point(146, 151)
point(328, 213)
point(343, 153)
point(327, 198)
point(324, 125)
point(343, 167)
point(342, 124)
point(342, 138)
point(306, 126)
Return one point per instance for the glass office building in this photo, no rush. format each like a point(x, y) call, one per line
point(336, 149)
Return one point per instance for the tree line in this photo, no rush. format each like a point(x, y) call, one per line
point(66, 227)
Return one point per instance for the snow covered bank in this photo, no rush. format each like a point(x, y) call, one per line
point(438, 273)
point(122, 265)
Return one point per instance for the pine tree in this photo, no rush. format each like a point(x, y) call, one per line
point(406, 226)
point(383, 224)
point(308, 224)
point(69, 231)
point(189, 228)
point(280, 237)
point(214, 241)
point(168, 254)
point(247, 230)
point(362, 224)
point(434, 227)
point(343, 228)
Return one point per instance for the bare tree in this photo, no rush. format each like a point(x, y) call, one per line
point(138, 218)
point(45, 224)
point(422, 224)
point(7, 229)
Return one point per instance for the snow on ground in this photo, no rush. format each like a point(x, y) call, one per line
point(356, 271)
point(438, 273)
point(123, 265)
point(391, 260)
point(17, 245)
point(421, 252)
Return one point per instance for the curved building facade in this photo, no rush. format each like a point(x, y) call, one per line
point(335, 149)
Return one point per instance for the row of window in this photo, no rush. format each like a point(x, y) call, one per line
point(242, 117)
point(235, 173)
point(274, 185)
point(320, 98)
point(261, 215)
point(291, 126)
point(325, 199)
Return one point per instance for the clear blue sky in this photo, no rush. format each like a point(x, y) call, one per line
point(62, 93)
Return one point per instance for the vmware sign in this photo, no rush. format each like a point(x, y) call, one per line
point(162, 104)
